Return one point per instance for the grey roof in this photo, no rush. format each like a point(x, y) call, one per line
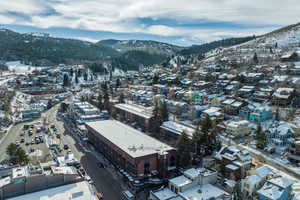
point(128, 139)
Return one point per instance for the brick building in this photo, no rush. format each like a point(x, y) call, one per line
point(132, 150)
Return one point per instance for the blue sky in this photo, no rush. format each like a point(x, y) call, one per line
point(181, 22)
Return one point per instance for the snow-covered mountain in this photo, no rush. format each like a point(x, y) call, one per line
point(269, 48)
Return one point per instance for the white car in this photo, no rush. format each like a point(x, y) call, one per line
point(88, 179)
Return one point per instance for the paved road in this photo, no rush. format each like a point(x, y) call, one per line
point(105, 182)
point(264, 159)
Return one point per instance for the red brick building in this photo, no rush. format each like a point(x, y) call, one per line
point(132, 150)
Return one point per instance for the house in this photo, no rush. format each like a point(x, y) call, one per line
point(246, 91)
point(231, 106)
point(233, 163)
point(171, 130)
point(196, 111)
point(177, 107)
point(195, 183)
point(262, 94)
point(250, 185)
point(256, 112)
point(276, 189)
point(289, 57)
point(280, 134)
point(214, 113)
point(283, 96)
point(238, 128)
point(260, 113)
point(254, 181)
point(294, 151)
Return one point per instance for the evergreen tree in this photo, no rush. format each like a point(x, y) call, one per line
point(163, 112)
point(184, 150)
point(99, 102)
point(261, 138)
point(85, 77)
point(155, 79)
point(206, 124)
point(156, 119)
point(118, 83)
point(17, 154)
point(106, 102)
point(66, 81)
point(277, 116)
point(76, 78)
point(121, 98)
point(255, 58)
point(71, 72)
point(196, 140)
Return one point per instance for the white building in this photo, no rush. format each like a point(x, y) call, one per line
point(255, 180)
point(238, 128)
point(193, 184)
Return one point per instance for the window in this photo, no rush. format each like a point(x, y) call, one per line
point(146, 167)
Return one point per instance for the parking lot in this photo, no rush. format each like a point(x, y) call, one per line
point(41, 142)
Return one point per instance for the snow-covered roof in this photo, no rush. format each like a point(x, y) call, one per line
point(164, 194)
point(253, 179)
point(263, 171)
point(232, 167)
point(203, 192)
point(76, 191)
point(271, 191)
point(282, 182)
point(283, 93)
point(177, 128)
point(180, 181)
point(195, 172)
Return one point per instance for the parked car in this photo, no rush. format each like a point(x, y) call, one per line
point(66, 147)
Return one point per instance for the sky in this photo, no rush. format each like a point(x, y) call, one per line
point(180, 22)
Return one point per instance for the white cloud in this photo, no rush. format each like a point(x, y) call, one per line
point(121, 15)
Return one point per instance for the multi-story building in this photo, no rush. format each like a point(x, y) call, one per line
point(44, 182)
point(135, 114)
point(132, 150)
point(83, 112)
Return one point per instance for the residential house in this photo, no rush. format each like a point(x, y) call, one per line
point(254, 181)
point(280, 134)
point(283, 96)
point(231, 106)
point(256, 112)
point(294, 151)
point(276, 189)
point(233, 163)
point(245, 91)
point(214, 113)
point(171, 130)
point(195, 183)
point(238, 128)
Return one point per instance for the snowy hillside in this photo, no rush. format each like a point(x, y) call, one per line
point(268, 48)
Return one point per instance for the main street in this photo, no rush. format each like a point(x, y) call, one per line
point(105, 179)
